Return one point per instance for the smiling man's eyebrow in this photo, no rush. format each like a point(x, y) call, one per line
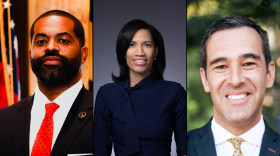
point(250, 55)
point(219, 59)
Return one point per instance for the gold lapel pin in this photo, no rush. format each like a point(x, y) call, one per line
point(82, 115)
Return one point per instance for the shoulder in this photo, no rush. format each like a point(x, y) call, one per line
point(270, 134)
point(85, 97)
point(192, 135)
point(169, 89)
point(7, 112)
point(16, 105)
point(111, 87)
point(110, 92)
point(87, 93)
point(270, 141)
point(202, 132)
point(201, 141)
point(170, 85)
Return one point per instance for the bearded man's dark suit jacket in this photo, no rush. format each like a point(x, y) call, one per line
point(76, 134)
point(200, 142)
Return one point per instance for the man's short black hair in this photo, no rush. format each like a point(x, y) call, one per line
point(229, 23)
point(78, 27)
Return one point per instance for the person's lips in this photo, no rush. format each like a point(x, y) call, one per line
point(140, 61)
point(237, 95)
point(51, 60)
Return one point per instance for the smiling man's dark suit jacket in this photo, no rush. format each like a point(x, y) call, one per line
point(76, 134)
point(200, 142)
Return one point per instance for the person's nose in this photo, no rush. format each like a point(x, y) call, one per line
point(139, 51)
point(51, 46)
point(235, 76)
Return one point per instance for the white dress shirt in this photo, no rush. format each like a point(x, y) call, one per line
point(64, 100)
point(251, 147)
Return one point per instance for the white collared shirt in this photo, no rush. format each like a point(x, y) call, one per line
point(251, 147)
point(65, 100)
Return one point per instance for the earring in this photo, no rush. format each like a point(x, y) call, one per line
point(155, 58)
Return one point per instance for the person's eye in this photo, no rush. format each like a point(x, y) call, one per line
point(220, 67)
point(132, 45)
point(249, 64)
point(148, 45)
point(63, 41)
point(41, 41)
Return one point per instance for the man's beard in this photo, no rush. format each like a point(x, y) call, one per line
point(56, 74)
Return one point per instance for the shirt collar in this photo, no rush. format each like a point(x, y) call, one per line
point(69, 96)
point(220, 134)
point(254, 135)
point(63, 99)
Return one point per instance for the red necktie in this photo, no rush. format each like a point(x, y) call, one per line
point(43, 142)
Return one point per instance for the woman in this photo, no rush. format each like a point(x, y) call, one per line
point(139, 111)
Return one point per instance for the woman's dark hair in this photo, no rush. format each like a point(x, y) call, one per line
point(123, 42)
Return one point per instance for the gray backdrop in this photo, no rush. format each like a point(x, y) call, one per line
point(169, 17)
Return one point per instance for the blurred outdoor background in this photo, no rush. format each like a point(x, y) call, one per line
point(202, 13)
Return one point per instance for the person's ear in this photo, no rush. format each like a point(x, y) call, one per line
point(270, 74)
point(156, 51)
point(84, 54)
point(29, 53)
point(204, 80)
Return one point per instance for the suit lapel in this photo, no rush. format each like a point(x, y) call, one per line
point(73, 124)
point(205, 145)
point(20, 128)
point(270, 143)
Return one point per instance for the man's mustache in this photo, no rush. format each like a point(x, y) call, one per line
point(52, 53)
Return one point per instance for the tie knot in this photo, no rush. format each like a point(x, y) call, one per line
point(127, 90)
point(236, 142)
point(51, 108)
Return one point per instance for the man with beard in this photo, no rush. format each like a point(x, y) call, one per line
point(236, 68)
point(57, 120)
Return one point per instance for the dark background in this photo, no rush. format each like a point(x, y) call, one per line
point(169, 17)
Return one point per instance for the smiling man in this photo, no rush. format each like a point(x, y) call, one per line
point(236, 69)
point(56, 120)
